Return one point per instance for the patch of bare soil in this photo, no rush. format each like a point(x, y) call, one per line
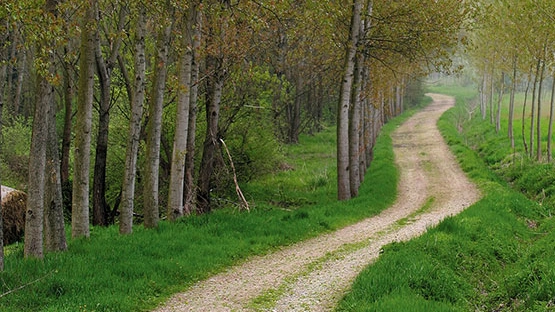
point(314, 275)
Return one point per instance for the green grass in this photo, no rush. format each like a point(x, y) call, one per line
point(109, 272)
point(497, 255)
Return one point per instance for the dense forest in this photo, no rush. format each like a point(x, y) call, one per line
point(118, 112)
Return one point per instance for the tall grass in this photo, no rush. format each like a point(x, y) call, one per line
point(109, 272)
point(495, 256)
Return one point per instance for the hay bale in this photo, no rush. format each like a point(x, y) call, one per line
point(14, 203)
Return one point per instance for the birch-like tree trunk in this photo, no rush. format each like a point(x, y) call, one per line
point(137, 97)
point(82, 153)
point(538, 124)
point(551, 117)
point(34, 214)
point(512, 102)
point(499, 102)
point(151, 208)
point(54, 229)
point(211, 141)
point(343, 174)
point(533, 107)
point(354, 127)
point(177, 174)
point(189, 182)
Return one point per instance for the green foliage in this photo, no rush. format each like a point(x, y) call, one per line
point(16, 140)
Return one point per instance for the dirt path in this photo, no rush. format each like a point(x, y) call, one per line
point(313, 275)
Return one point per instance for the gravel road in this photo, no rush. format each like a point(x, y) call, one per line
point(314, 275)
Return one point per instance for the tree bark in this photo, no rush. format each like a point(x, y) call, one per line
point(3, 73)
point(551, 117)
point(538, 124)
point(68, 116)
point(34, 215)
point(211, 141)
point(343, 174)
point(80, 199)
point(354, 127)
point(151, 208)
point(499, 102)
point(54, 229)
point(104, 68)
point(137, 97)
point(177, 174)
point(533, 108)
point(512, 103)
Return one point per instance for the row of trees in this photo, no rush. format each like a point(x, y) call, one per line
point(145, 95)
point(512, 51)
point(390, 44)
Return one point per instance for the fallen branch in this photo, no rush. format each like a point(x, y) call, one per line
point(244, 202)
point(26, 285)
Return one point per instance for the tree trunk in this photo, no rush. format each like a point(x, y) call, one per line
point(68, 115)
point(189, 184)
point(211, 141)
point(551, 116)
point(34, 215)
point(538, 124)
point(83, 125)
point(343, 174)
point(154, 130)
point(524, 112)
point(54, 230)
point(499, 101)
point(3, 73)
point(137, 97)
point(177, 174)
point(354, 127)
point(532, 114)
point(512, 103)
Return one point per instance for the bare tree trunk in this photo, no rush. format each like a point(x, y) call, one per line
point(524, 111)
point(104, 68)
point(68, 115)
point(177, 175)
point(189, 184)
point(137, 97)
point(483, 98)
point(80, 199)
point(532, 114)
point(3, 73)
point(54, 229)
point(34, 215)
point(151, 208)
point(499, 101)
point(512, 103)
point(551, 116)
point(538, 124)
point(343, 174)
point(354, 127)
point(211, 141)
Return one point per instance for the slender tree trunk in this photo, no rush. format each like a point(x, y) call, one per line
point(68, 116)
point(34, 216)
point(189, 181)
point(483, 98)
point(551, 117)
point(54, 229)
point(491, 93)
point(524, 112)
point(3, 73)
point(343, 174)
point(512, 103)
point(154, 130)
point(532, 114)
point(538, 124)
point(80, 200)
point(177, 174)
point(137, 97)
point(499, 102)
point(354, 127)
point(211, 141)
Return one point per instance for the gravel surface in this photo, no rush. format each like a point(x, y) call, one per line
point(314, 275)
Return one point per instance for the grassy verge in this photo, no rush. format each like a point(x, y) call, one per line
point(495, 256)
point(109, 272)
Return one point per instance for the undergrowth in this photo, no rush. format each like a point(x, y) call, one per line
point(497, 255)
point(109, 272)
